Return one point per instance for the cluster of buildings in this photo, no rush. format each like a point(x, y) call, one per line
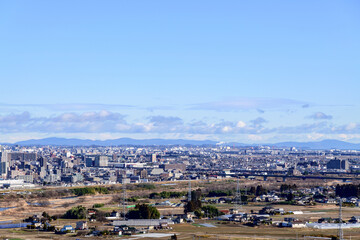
point(55, 165)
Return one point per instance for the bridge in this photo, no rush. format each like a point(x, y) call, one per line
point(265, 174)
point(303, 177)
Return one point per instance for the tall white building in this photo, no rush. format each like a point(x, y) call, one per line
point(4, 163)
point(153, 157)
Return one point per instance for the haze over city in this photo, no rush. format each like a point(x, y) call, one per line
point(244, 71)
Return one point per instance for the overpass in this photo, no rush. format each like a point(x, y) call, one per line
point(303, 177)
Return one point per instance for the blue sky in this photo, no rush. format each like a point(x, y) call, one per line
point(245, 71)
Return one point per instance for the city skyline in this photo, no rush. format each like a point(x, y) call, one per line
point(235, 71)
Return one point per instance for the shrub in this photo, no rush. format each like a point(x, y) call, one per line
point(98, 205)
point(89, 191)
point(144, 211)
point(43, 203)
point(133, 199)
point(83, 191)
point(146, 186)
point(78, 212)
point(211, 211)
point(31, 226)
point(220, 193)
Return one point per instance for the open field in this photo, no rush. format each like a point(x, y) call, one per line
point(237, 231)
point(226, 230)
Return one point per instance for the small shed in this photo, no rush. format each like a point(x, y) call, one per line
point(81, 225)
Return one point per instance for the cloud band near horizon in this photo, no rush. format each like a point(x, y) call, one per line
point(107, 122)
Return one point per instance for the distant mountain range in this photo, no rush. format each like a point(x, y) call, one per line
point(325, 144)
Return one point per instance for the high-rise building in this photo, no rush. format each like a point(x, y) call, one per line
point(143, 173)
point(22, 156)
point(43, 162)
point(101, 161)
point(338, 164)
point(89, 161)
point(153, 157)
point(4, 163)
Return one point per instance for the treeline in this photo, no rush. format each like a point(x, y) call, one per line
point(106, 190)
point(80, 212)
point(141, 186)
point(90, 191)
point(212, 193)
point(208, 211)
point(80, 191)
point(165, 194)
point(220, 193)
point(348, 190)
point(138, 186)
point(258, 191)
point(94, 190)
point(287, 187)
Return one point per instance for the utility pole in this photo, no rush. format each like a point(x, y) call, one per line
point(341, 234)
point(124, 199)
point(189, 193)
point(238, 197)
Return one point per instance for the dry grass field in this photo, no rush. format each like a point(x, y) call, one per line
point(21, 209)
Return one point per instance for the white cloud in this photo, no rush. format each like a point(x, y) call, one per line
point(255, 138)
point(258, 122)
point(165, 121)
point(320, 116)
point(351, 126)
point(102, 122)
point(347, 137)
point(226, 129)
point(315, 136)
point(240, 124)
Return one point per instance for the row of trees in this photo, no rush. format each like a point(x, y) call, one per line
point(50, 193)
point(220, 193)
point(348, 190)
point(143, 211)
point(165, 194)
point(89, 191)
point(287, 187)
point(259, 190)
